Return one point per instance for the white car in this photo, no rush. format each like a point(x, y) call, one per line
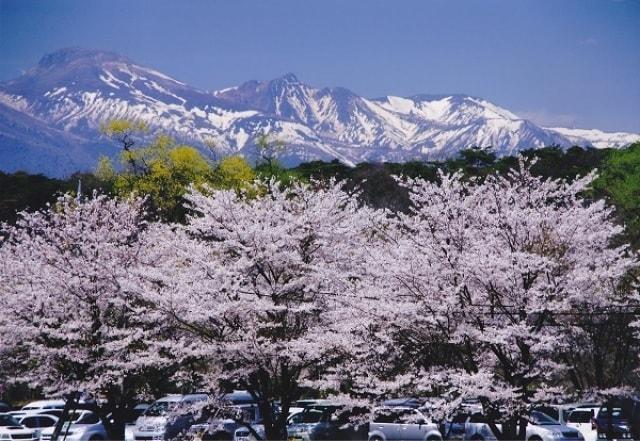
point(39, 406)
point(84, 426)
point(38, 422)
point(10, 429)
point(157, 421)
point(402, 423)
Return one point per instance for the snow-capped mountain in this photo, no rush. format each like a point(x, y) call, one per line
point(50, 116)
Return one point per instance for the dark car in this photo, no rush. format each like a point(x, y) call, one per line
point(619, 419)
point(4, 407)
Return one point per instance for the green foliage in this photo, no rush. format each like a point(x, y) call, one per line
point(619, 183)
point(168, 171)
point(120, 127)
point(124, 132)
point(21, 191)
point(234, 172)
point(269, 150)
point(105, 171)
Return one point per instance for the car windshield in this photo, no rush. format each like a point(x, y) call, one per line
point(8, 420)
point(579, 416)
point(542, 419)
point(160, 408)
point(86, 418)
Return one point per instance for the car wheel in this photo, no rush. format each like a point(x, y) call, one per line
point(95, 438)
point(434, 438)
point(375, 438)
point(477, 438)
point(534, 438)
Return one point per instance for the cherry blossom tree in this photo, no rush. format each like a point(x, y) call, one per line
point(63, 278)
point(259, 286)
point(483, 282)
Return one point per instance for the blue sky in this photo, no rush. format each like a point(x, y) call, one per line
point(557, 62)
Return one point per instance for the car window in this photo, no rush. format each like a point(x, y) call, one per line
point(408, 416)
point(46, 421)
point(604, 412)
point(87, 418)
point(160, 408)
point(384, 416)
point(8, 420)
point(579, 416)
point(248, 413)
point(31, 422)
point(296, 418)
point(312, 416)
point(553, 412)
point(542, 419)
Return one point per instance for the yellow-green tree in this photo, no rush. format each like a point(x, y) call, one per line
point(126, 132)
point(105, 171)
point(168, 172)
point(234, 172)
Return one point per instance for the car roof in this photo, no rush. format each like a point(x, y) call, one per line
point(396, 408)
point(41, 403)
point(32, 415)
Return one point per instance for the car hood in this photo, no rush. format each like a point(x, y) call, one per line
point(151, 421)
point(303, 427)
point(555, 428)
point(15, 429)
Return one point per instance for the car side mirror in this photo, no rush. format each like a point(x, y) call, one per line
point(421, 421)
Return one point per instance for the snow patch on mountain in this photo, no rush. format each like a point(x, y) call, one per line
point(597, 138)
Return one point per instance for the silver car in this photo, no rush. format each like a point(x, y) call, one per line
point(401, 423)
point(541, 427)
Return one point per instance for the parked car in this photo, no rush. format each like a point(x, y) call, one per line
point(83, 425)
point(4, 407)
point(39, 406)
point(402, 423)
point(584, 420)
point(619, 418)
point(37, 422)
point(131, 418)
point(324, 422)
point(226, 423)
point(561, 412)
point(404, 402)
point(244, 434)
point(541, 427)
point(164, 419)
point(10, 429)
point(467, 426)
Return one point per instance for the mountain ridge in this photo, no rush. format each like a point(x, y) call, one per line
point(71, 91)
